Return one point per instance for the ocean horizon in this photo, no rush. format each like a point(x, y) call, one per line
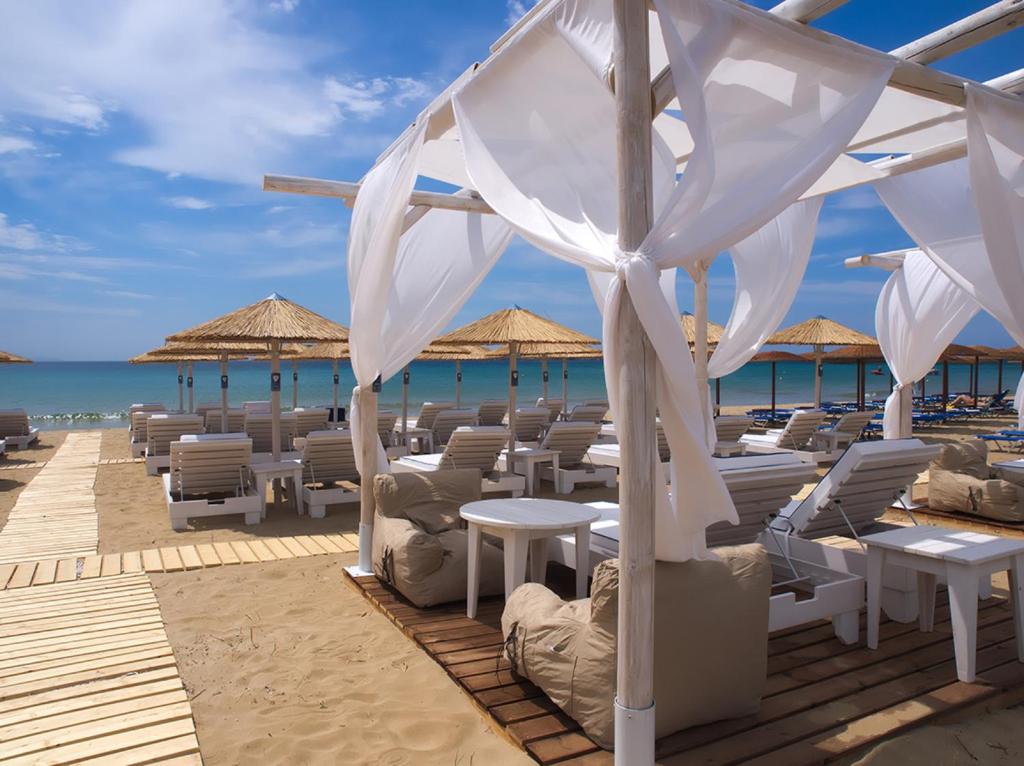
point(61, 395)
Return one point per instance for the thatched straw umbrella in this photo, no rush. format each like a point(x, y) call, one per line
point(544, 352)
point(8, 358)
point(274, 320)
point(819, 332)
point(858, 355)
point(513, 327)
point(954, 352)
point(334, 352)
point(689, 324)
point(440, 353)
point(773, 357)
point(178, 360)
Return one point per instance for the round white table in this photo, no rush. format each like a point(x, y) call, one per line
point(525, 524)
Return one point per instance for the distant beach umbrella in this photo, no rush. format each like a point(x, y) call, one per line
point(689, 324)
point(9, 358)
point(512, 328)
point(819, 332)
point(858, 355)
point(274, 320)
point(954, 352)
point(772, 357)
point(546, 351)
point(334, 352)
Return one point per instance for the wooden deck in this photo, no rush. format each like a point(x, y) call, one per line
point(86, 673)
point(823, 701)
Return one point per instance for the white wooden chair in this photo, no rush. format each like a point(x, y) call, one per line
point(728, 430)
point(161, 430)
point(428, 412)
point(572, 440)
point(492, 412)
point(203, 407)
point(210, 476)
point(310, 419)
point(470, 447)
point(260, 407)
point(796, 436)
point(448, 420)
point(843, 432)
point(236, 422)
point(259, 428)
point(145, 407)
point(553, 406)
point(608, 453)
point(328, 471)
point(386, 420)
point(15, 430)
point(137, 435)
point(531, 423)
point(587, 413)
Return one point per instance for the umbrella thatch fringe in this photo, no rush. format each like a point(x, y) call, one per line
point(274, 318)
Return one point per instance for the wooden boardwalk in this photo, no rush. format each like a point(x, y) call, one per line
point(86, 673)
point(823, 701)
point(55, 515)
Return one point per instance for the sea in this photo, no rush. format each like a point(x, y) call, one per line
point(62, 395)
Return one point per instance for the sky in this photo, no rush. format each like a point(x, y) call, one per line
point(134, 136)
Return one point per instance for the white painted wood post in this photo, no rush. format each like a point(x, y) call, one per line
point(369, 438)
point(224, 393)
point(634, 701)
point(405, 406)
point(700, 342)
point(565, 386)
point(181, 390)
point(458, 383)
point(334, 379)
point(544, 377)
point(295, 384)
point(191, 392)
point(818, 351)
point(513, 385)
point(275, 402)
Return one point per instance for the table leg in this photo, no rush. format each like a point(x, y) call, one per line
point(539, 560)
point(516, 547)
point(963, 609)
point(925, 602)
point(876, 563)
point(530, 468)
point(1017, 596)
point(473, 570)
point(261, 490)
point(582, 559)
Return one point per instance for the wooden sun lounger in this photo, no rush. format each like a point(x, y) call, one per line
point(492, 412)
point(572, 440)
point(209, 476)
point(15, 429)
point(795, 437)
point(728, 430)
point(470, 447)
point(448, 420)
point(531, 422)
point(259, 428)
point(161, 430)
point(236, 422)
point(310, 419)
point(329, 472)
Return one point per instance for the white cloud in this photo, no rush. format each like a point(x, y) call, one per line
point(517, 9)
point(26, 237)
point(12, 144)
point(278, 209)
point(862, 198)
point(368, 98)
point(832, 225)
point(189, 203)
point(285, 6)
point(128, 294)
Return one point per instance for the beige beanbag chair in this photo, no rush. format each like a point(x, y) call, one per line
point(710, 642)
point(419, 543)
point(960, 480)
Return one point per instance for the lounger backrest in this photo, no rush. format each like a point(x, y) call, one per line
point(799, 427)
point(13, 423)
point(428, 412)
point(258, 407)
point(161, 430)
point(729, 428)
point(259, 427)
point(588, 413)
point(138, 426)
point(450, 419)
point(310, 419)
point(386, 420)
point(203, 407)
point(530, 423)
point(571, 440)
point(328, 457)
point(664, 453)
point(759, 485)
point(492, 412)
point(146, 407)
point(602, 402)
point(553, 406)
point(474, 447)
point(853, 423)
point(205, 467)
point(865, 480)
point(236, 422)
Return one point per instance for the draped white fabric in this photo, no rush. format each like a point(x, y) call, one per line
point(770, 111)
point(920, 311)
point(404, 289)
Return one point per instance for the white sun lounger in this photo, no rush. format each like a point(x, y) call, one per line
point(531, 423)
point(492, 412)
point(161, 430)
point(137, 435)
point(203, 407)
point(572, 441)
point(448, 420)
point(15, 430)
point(328, 471)
point(843, 432)
point(236, 422)
point(847, 502)
point(261, 407)
point(469, 447)
point(587, 413)
point(209, 476)
point(795, 437)
point(259, 428)
point(428, 412)
point(146, 407)
point(728, 430)
point(608, 453)
point(310, 419)
point(553, 406)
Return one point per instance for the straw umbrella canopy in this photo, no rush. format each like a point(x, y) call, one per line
point(178, 359)
point(858, 355)
point(274, 320)
point(689, 324)
point(773, 357)
point(333, 352)
point(546, 351)
point(8, 358)
point(514, 327)
point(819, 332)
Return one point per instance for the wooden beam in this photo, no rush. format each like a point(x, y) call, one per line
point(635, 426)
point(890, 261)
point(967, 32)
point(466, 201)
point(806, 11)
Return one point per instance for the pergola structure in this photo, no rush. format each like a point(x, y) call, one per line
point(612, 75)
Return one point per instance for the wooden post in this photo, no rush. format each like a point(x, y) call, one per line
point(458, 383)
point(634, 701)
point(999, 378)
point(181, 390)
point(224, 393)
point(405, 406)
point(818, 350)
point(977, 376)
point(945, 383)
point(275, 402)
point(700, 341)
point(773, 390)
point(513, 385)
point(334, 379)
point(565, 385)
point(923, 382)
point(295, 384)
point(544, 377)
point(368, 455)
point(191, 393)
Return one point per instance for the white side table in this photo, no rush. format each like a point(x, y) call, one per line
point(963, 558)
point(423, 437)
point(530, 458)
point(282, 469)
point(525, 523)
point(1010, 470)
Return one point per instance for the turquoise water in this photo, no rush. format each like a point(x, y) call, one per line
point(96, 394)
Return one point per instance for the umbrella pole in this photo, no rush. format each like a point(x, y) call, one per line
point(191, 395)
point(513, 384)
point(817, 374)
point(635, 410)
point(181, 391)
point(295, 384)
point(945, 383)
point(862, 385)
point(458, 383)
point(275, 412)
point(224, 393)
point(999, 377)
point(773, 391)
point(700, 341)
point(334, 372)
point(405, 406)
point(977, 377)
point(718, 395)
point(565, 386)
point(544, 377)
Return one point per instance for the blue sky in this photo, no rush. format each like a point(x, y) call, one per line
point(134, 137)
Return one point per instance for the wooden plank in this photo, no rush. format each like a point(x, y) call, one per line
point(226, 553)
point(111, 564)
point(175, 751)
point(89, 700)
point(171, 559)
point(6, 570)
point(208, 555)
point(310, 545)
point(278, 548)
point(118, 685)
point(294, 547)
point(352, 539)
point(244, 552)
point(190, 557)
point(327, 544)
point(561, 747)
point(22, 576)
point(67, 570)
point(263, 553)
point(151, 561)
point(132, 562)
point(46, 572)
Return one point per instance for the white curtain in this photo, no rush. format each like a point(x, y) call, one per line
point(405, 288)
point(920, 311)
point(769, 110)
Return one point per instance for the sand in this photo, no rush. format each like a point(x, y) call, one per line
point(286, 663)
point(13, 480)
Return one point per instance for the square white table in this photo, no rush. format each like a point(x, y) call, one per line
point(525, 524)
point(962, 557)
point(530, 457)
point(424, 438)
point(281, 469)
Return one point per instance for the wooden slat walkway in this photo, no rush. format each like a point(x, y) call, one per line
point(55, 515)
point(823, 701)
point(87, 674)
point(177, 558)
